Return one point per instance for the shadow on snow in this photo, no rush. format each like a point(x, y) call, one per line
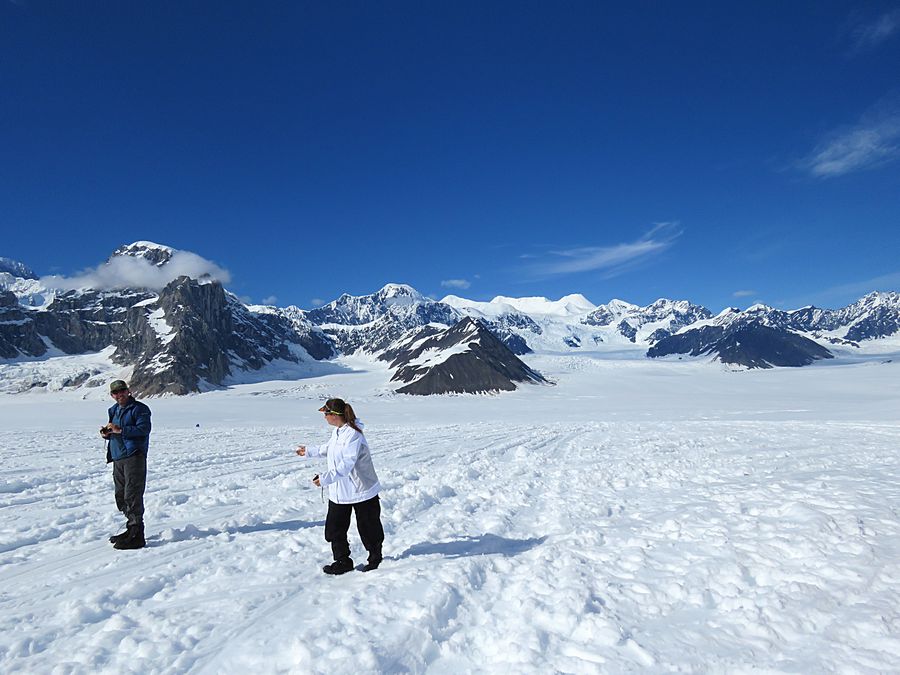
point(190, 532)
point(485, 544)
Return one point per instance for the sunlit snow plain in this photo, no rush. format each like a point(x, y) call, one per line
point(637, 516)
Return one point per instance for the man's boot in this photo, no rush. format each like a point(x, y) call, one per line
point(134, 538)
point(118, 537)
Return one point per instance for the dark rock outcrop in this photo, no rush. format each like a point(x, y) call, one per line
point(18, 332)
point(748, 344)
point(87, 321)
point(466, 358)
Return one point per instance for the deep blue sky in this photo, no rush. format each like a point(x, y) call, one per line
point(724, 153)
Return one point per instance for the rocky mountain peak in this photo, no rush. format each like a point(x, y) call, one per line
point(874, 316)
point(727, 315)
point(156, 254)
point(879, 298)
point(399, 294)
point(758, 308)
point(464, 358)
point(610, 313)
point(393, 300)
point(685, 311)
point(621, 306)
point(16, 269)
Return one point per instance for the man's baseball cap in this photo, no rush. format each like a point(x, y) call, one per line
point(117, 385)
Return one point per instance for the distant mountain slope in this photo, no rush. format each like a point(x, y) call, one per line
point(647, 324)
point(574, 323)
point(748, 344)
point(373, 323)
point(762, 336)
point(874, 316)
point(465, 358)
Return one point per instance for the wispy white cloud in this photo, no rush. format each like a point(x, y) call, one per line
point(317, 302)
point(271, 300)
point(455, 283)
point(743, 294)
point(610, 261)
point(130, 272)
point(874, 141)
point(869, 34)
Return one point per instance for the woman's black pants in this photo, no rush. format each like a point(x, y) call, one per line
point(368, 522)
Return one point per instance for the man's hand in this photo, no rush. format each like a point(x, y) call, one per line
point(104, 432)
point(114, 428)
point(301, 450)
point(316, 481)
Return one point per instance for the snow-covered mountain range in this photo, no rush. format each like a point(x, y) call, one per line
point(191, 334)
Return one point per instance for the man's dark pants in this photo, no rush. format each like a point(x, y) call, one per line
point(130, 479)
point(368, 522)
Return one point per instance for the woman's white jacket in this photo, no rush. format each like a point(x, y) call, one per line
point(351, 474)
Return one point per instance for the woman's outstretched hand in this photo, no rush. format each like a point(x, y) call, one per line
point(301, 451)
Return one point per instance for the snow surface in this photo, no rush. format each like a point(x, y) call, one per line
point(568, 306)
point(655, 517)
point(430, 358)
point(56, 370)
point(157, 320)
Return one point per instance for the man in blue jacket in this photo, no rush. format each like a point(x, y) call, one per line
point(128, 437)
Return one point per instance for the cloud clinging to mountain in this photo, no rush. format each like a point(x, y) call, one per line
point(132, 272)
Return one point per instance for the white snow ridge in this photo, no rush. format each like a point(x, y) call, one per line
point(637, 517)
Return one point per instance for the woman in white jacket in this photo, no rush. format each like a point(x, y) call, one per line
point(352, 486)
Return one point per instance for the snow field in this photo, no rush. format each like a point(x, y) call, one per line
point(571, 547)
